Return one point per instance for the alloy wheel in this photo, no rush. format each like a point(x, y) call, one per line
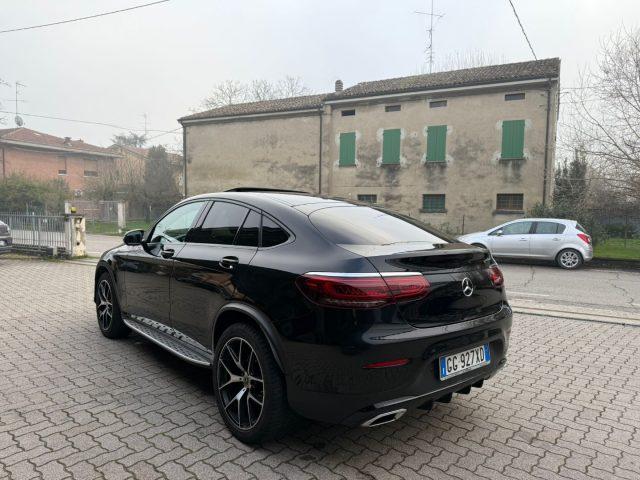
point(105, 304)
point(569, 259)
point(240, 383)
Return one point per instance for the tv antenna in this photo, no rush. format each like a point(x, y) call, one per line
point(18, 119)
point(429, 50)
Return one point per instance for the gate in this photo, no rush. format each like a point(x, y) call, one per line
point(55, 234)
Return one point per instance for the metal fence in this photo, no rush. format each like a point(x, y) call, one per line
point(41, 232)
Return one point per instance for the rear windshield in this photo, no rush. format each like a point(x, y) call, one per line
point(372, 226)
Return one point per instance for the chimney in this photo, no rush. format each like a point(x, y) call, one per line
point(67, 140)
point(339, 85)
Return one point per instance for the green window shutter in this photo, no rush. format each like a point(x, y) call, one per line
point(347, 149)
point(513, 139)
point(437, 143)
point(391, 146)
point(433, 202)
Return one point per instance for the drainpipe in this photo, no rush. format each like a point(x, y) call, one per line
point(321, 111)
point(546, 146)
point(184, 159)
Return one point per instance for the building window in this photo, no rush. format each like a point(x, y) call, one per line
point(391, 146)
point(62, 172)
point(437, 143)
point(510, 202)
point(512, 139)
point(433, 203)
point(368, 198)
point(392, 108)
point(348, 113)
point(90, 173)
point(514, 96)
point(347, 149)
point(437, 103)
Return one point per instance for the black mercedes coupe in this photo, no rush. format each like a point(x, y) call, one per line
point(304, 306)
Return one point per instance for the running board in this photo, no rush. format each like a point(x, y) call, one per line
point(177, 347)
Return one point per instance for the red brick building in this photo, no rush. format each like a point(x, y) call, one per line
point(45, 157)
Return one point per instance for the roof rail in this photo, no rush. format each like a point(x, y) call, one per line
point(260, 189)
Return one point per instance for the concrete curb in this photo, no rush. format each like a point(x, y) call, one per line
point(618, 317)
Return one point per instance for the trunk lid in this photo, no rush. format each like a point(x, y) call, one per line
point(460, 281)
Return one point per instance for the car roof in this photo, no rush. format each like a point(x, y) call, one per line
point(564, 220)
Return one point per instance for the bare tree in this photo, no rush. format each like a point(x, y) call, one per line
point(459, 60)
point(230, 92)
point(291, 87)
point(604, 113)
point(224, 93)
point(130, 139)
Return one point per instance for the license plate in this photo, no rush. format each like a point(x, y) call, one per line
point(461, 362)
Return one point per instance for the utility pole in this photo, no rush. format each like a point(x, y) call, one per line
point(146, 132)
point(429, 50)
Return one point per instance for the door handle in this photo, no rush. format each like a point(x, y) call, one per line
point(167, 252)
point(228, 262)
point(556, 239)
point(523, 240)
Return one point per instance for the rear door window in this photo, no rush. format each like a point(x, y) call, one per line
point(249, 234)
point(517, 228)
point(549, 228)
point(371, 226)
point(221, 224)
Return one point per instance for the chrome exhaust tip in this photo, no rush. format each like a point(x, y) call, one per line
point(386, 417)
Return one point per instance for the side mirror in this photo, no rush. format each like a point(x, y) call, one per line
point(499, 233)
point(133, 237)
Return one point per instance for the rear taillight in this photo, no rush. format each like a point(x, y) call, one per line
point(361, 291)
point(585, 238)
point(495, 275)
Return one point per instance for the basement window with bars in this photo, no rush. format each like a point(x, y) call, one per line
point(392, 108)
point(436, 143)
point(510, 202)
point(514, 96)
point(512, 140)
point(391, 146)
point(90, 173)
point(62, 172)
point(348, 113)
point(433, 203)
point(437, 103)
point(368, 198)
point(347, 149)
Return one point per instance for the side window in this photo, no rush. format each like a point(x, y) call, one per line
point(518, 228)
point(174, 226)
point(221, 224)
point(549, 228)
point(249, 234)
point(272, 233)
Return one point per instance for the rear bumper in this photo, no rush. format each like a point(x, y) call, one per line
point(339, 390)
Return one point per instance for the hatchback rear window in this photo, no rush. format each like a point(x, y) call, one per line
point(371, 226)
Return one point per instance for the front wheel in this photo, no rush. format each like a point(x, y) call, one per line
point(569, 259)
point(108, 310)
point(250, 389)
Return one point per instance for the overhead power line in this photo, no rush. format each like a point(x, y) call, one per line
point(82, 18)
point(521, 28)
point(90, 122)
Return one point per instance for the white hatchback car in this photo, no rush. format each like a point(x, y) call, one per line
point(564, 241)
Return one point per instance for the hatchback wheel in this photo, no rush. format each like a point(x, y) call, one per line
point(250, 389)
point(108, 310)
point(569, 259)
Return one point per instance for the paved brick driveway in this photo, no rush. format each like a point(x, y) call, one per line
point(74, 404)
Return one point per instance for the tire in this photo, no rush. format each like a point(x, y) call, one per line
point(108, 310)
point(242, 357)
point(569, 259)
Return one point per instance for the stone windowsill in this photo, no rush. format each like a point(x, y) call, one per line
point(422, 210)
point(508, 212)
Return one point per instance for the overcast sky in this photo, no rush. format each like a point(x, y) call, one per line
point(163, 59)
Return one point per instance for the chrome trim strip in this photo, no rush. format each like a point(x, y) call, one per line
point(363, 275)
point(169, 331)
point(395, 413)
point(133, 326)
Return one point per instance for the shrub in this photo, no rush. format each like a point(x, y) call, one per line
point(586, 219)
point(22, 194)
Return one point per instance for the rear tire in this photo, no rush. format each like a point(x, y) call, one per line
point(108, 309)
point(569, 259)
point(249, 386)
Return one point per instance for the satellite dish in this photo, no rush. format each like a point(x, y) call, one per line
point(19, 121)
